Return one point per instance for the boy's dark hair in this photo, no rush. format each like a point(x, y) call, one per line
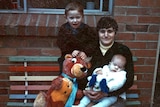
point(75, 5)
point(107, 22)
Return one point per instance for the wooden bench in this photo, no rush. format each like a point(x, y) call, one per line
point(133, 92)
point(31, 74)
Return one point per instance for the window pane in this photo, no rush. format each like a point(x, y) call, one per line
point(98, 7)
point(105, 5)
point(60, 4)
point(11, 4)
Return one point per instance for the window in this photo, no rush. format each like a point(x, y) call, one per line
point(94, 7)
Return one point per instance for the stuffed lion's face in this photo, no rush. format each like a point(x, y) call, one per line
point(75, 67)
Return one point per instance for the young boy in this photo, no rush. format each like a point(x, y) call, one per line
point(107, 79)
point(74, 36)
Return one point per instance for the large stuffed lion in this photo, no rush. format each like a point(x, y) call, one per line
point(64, 89)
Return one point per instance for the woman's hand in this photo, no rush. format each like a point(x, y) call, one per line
point(75, 53)
point(79, 53)
point(94, 95)
point(82, 55)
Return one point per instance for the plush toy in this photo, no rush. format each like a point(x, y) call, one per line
point(98, 81)
point(64, 89)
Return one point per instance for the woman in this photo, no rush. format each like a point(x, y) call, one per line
point(106, 48)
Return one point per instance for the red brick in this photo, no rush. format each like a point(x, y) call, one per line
point(152, 45)
point(145, 69)
point(121, 27)
point(97, 18)
point(141, 61)
point(126, 19)
point(3, 98)
point(43, 20)
point(11, 30)
point(126, 2)
point(155, 11)
point(147, 37)
point(2, 30)
point(154, 28)
point(150, 3)
point(31, 30)
point(61, 20)
point(145, 84)
point(136, 45)
point(8, 51)
point(42, 31)
point(42, 27)
point(21, 30)
point(138, 11)
point(12, 41)
point(137, 28)
point(52, 25)
point(39, 43)
point(23, 23)
point(29, 52)
point(32, 26)
point(4, 19)
point(3, 75)
point(120, 10)
point(3, 60)
point(148, 77)
point(14, 20)
point(125, 36)
point(52, 31)
point(34, 20)
point(53, 21)
point(146, 53)
point(149, 19)
point(90, 20)
point(51, 52)
point(150, 61)
point(24, 20)
point(145, 92)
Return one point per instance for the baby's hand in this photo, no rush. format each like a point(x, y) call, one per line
point(99, 72)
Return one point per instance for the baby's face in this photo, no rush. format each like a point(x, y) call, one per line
point(117, 65)
point(74, 17)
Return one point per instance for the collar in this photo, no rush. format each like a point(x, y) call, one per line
point(66, 76)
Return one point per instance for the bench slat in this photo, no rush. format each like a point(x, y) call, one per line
point(132, 103)
point(133, 87)
point(32, 78)
point(22, 96)
point(34, 68)
point(132, 95)
point(19, 104)
point(33, 58)
point(30, 87)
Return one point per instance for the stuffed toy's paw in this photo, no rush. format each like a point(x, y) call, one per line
point(40, 100)
point(103, 86)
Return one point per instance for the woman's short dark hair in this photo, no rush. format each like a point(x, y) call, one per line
point(107, 22)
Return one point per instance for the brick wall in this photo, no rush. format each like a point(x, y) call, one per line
point(35, 34)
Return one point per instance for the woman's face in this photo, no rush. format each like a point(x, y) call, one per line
point(74, 17)
point(106, 36)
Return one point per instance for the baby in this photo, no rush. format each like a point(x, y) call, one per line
point(107, 79)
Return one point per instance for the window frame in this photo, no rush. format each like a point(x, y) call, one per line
point(60, 11)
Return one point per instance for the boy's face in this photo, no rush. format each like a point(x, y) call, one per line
point(74, 17)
